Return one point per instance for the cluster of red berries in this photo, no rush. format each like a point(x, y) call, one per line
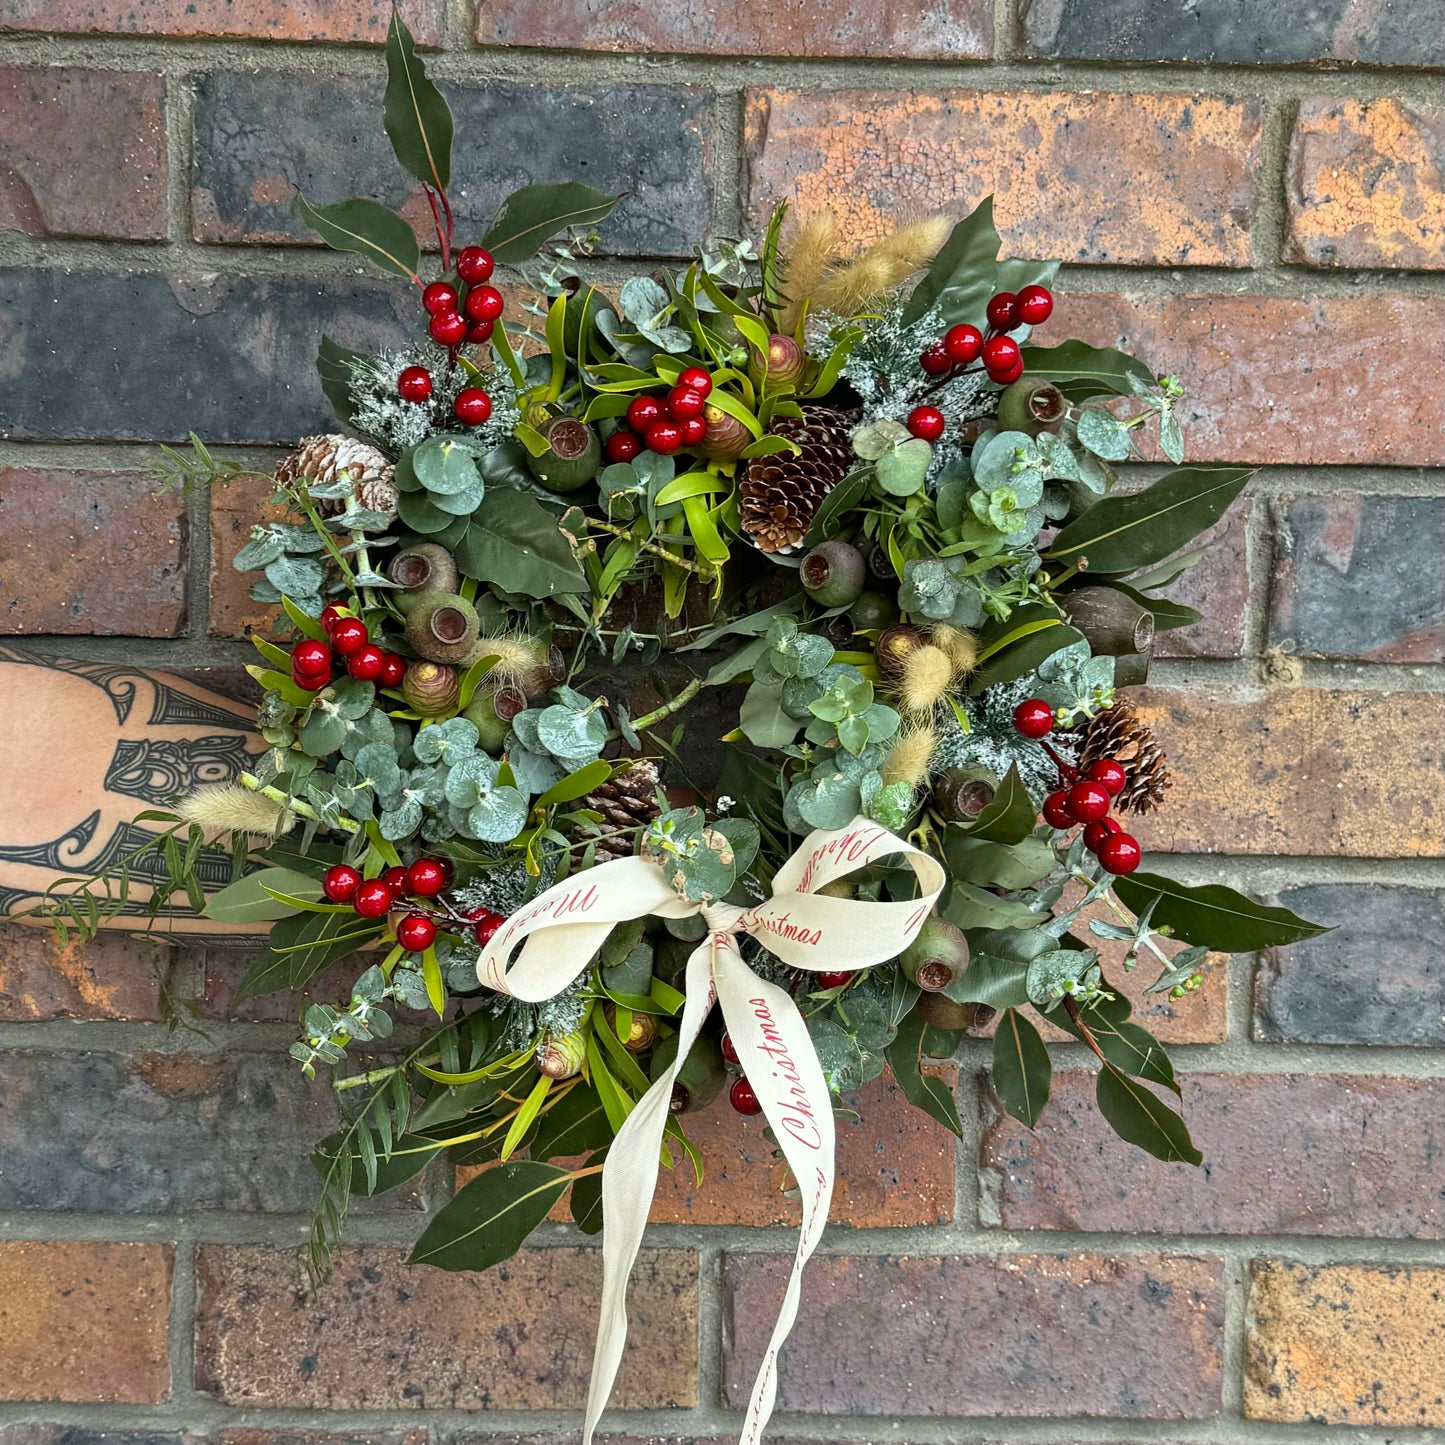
point(312, 663)
point(397, 888)
point(664, 424)
point(1087, 800)
point(961, 346)
point(458, 320)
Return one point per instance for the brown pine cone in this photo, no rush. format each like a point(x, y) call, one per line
point(780, 494)
point(324, 458)
point(1118, 733)
point(626, 802)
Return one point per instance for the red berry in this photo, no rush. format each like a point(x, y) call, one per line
point(835, 978)
point(373, 898)
point(664, 437)
point(485, 923)
point(1007, 378)
point(472, 406)
point(1000, 353)
point(696, 378)
point(414, 384)
point(330, 616)
point(485, 303)
point(963, 343)
point(622, 446)
point(1056, 811)
point(474, 265)
point(426, 877)
point(1035, 305)
point(642, 411)
point(393, 669)
point(694, 430)
point(743, 1099)
point(416, 933)
point(439, 297)
point(1121, 853)
point(1095, 833)
point(1034, 718)
point(340, 883)
point(729, 1049)
point(1110, 774)
point(311, 682)
point(349, 636)
point(396, 879)
point(366, 663)
point(1002, 311)
point(311, 659)
point(926, 422)
point(683, 402)
point(1088, 801)
point(479, 331)
point(448, 328)
point(936, 360)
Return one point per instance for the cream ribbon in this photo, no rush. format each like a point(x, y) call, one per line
point(565, 926)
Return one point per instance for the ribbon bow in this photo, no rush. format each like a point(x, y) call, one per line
point(564, 927)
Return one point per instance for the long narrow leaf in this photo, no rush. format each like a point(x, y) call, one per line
point(418, 120)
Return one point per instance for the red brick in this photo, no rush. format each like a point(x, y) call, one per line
point(382, 1334)
point(1216, 586)
point(364, 21)
point(1297, 771)
point(84, 1321)
point(235, 509)
point(112, 977)
point(1064, 169)
point(1258, 390)
point(1345, 1344)
point(93, 553)
point(82, 152)
point(1284, 1154)
point(1004, 1336)
point(914, 29)
point(1367, 184)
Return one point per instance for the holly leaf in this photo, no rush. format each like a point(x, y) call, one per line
point(369, 229)
point(1021, 1067)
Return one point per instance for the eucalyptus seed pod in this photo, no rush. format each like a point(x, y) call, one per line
point(701, 1078)
point(784, 361)
point(727, 438)
point(833, 574)
point(430, 688)
point(492, 728)
point(424, 567)
point(961, 794)
point(1031, 406)
point(442, 627)
point(871, 611)
point(895, 645)
point(560, 1056)
point(936, 957)
point(941, 1012)
point(880, 566)
point(1131, 669)
point(1110, 620)
point(573, 456)
point(642, 1034)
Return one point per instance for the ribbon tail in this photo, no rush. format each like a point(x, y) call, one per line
point(778, 1057)
point(629, 1180)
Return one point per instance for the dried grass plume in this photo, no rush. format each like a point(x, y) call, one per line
point(224, 809)
point(908, 761)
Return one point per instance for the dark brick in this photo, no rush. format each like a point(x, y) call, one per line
point(159, 1133)
point(914, 29)
point(1216, 586)
point(1236, 32)
point(94, 553)
point(261, 137)
point(1361, 577)
point(973, 1337)
point(36, 1434)
point(111, 977)
point(82, 152)
point(1284, 1154)
point(385, 1335)
point(1375, 980)
point(1053, 160)
point(83, 1321)
point(227, 966)
point(1367, 184)
point(361, 21)
point(232, 358)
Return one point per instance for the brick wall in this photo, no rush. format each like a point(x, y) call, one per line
point(1247, 193)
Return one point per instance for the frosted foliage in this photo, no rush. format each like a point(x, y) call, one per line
point(996, 744)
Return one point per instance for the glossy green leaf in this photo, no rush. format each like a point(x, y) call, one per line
point(487, 1220)
point(418, 120)
point(1081, 371)
point(514, 543)
point(335, 365)
point(1167, 615)
point(575, 1124)
point(961, 277)
point(369, 229)
point(998, 982)
point(1123, 532)
point(997, 865)
point(1011, 816)
point(1212, 915)
point(410, 1154)
point(925, 1091)
point(301, 945)
point(246, 900)
point(530, 217)
point(1021, 1067)
point(972, 907)
point(1139, 1116)
point(577, 785)
point(586, 1200)
point(1125, 1044)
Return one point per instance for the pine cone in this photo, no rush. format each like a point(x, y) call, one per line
point(781, 494)
point(626, 801)
point(323, 459)
point(1118, 733)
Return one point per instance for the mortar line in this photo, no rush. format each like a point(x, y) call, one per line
point(1271, 205)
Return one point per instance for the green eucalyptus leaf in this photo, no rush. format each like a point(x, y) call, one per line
point(1140, 1117)
point(490, 1216)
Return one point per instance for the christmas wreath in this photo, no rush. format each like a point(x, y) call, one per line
point(841, 507)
